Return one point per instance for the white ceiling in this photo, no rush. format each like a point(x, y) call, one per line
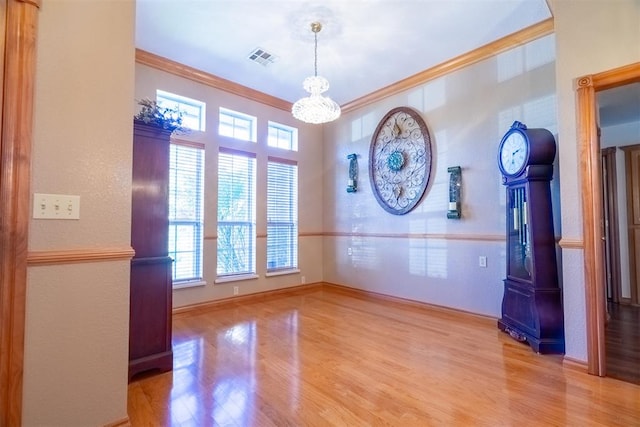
point(364, 45)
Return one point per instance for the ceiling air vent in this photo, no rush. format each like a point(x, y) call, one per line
point(262, 57)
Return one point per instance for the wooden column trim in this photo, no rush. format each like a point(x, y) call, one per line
point(589, 152)
point(20, 37)
point(592, 224)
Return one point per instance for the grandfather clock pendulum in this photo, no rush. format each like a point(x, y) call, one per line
point(532, 302)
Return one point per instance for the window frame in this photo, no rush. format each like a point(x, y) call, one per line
point(183, 104)
point(251, 128)
point(279, 127)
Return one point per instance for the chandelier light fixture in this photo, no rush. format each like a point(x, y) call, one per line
point(315, 108)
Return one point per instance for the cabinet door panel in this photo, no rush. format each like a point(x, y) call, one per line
point(150, 327)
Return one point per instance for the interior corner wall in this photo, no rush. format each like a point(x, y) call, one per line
point(424, 256)
point(310, 172)
point(77, 314)
point(592, 36)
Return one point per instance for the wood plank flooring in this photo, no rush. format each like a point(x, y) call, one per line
point(623, 343)
point(326, 356)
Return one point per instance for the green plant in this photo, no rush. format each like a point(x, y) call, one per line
point(153, 114)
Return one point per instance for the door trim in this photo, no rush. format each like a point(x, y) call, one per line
point(19, 40)
point(591, 186)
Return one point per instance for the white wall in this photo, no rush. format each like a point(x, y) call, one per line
point(591, 36)
point(77, 315)
point(310, 170)
point(423, 255)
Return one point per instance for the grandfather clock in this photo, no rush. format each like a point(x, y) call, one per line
point(151, 285)
point(532, 302)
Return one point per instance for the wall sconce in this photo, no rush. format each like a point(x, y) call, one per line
point(353, 173)
point(455, 185)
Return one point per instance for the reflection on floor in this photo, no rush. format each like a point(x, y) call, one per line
point(623, 343)
point(326, 356)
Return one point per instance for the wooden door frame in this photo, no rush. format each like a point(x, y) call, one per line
point(592, 217)
point(19, 42)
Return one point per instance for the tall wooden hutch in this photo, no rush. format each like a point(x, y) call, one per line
point(151, 286)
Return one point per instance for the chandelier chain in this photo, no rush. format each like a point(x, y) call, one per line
point(315, 56)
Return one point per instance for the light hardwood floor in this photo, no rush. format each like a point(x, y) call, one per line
point(623, 343)
point(327, 356)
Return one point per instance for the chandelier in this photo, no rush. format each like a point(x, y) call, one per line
point(315, 108)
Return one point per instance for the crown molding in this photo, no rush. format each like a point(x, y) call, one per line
point(521, 37)
point(164, 64)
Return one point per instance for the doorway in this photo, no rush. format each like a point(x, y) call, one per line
point(619, 134)
point(592, 207)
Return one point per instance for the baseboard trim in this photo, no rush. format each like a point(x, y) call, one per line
point(575, 364)
point(362, 293)
point(208, 305)
point(124, 422)
point(355, 292)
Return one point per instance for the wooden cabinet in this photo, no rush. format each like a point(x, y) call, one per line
point(150, 286)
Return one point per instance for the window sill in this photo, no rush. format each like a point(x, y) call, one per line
point(282, 272)
point(236, 278)
point(191, 284)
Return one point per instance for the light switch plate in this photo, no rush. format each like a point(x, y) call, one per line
point(56, 206)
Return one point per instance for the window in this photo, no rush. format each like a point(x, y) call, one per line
point(193, 111)
point(237, 125)
point(282, 215)
point(282, 136)
point(185, 212)
point(236, 213)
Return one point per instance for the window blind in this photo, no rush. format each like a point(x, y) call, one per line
point(236, 213)
point(185, 211)
point(282, 215)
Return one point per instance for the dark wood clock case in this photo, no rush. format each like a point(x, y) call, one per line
point(532, 303)
point(151, 283)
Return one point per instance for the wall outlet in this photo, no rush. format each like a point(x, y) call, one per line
point(482, 261)
point(303, 280)
point(349, 251)
point(235, 290)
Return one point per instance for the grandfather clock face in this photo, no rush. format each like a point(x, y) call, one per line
point(400, 160)
point(514, 153)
